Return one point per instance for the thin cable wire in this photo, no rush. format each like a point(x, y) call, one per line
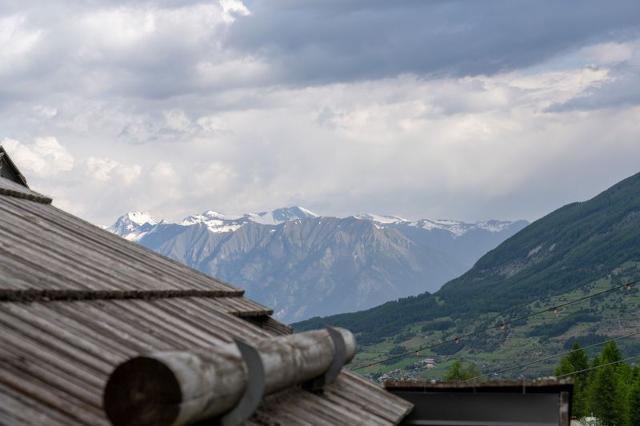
point(584, 370)
point(457, 339)
point(528, 364)
point(503, 324)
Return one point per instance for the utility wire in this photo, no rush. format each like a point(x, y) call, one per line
point(597, 366)
point(528, 364)
point(502, 325)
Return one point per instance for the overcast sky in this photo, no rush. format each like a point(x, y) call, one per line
point(426, 109)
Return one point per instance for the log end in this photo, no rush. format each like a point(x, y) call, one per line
point(142, 391)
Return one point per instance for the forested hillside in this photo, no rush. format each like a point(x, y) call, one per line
point(580, 249)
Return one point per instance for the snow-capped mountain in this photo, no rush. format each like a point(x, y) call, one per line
point(215, 222)
point(278, 216)
point(218, 222)
point(305, 265)
point(454, 227)
point(458, 229)
point(133, 225)
point(380, 218)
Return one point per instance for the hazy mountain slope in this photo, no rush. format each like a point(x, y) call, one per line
point(304, 265)
point(327, 265)
point(573, 251)
point(572, 246)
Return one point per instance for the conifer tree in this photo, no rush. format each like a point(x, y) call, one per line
point(606, 403)
point(610, 391)
point(634, 403)
point(577, 360)
point(610, 353)
point(607, 399)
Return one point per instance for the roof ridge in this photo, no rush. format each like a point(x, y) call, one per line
point(13, 189)
point(33, 295)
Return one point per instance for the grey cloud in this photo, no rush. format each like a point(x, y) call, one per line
point(301, 42)
point(328, 41)
point(73, 56)
point(262, 129)
point(620, 91)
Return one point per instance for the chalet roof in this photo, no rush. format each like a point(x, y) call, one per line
point(76, 301)
point(9, 171)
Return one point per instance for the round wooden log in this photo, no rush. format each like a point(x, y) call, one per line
point(178, 388)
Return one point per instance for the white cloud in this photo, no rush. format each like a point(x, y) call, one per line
point(211, 123)
point(17, 41)
point(118, 28)
point(232, 72)
point(177, 120)
point(45, 111)
point(45, 157)
point(164, 171)
point(609, 53)
point(233, 8)
point(212, 178)
point(107, 170)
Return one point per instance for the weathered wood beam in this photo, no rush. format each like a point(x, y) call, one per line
point(36, 295)
point(179, 388)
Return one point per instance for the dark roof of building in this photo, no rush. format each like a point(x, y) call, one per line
point(544, 402)
point(538, 385)
point(76, 300)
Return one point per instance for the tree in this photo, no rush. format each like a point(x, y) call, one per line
point(576, 360)
point(610, 391)
point(458, 372)
point(610, 353)
point(607, 396)
point(606, 402)
point(634, 403)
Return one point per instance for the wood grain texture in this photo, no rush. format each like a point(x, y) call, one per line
point(181, 387)
point(60, 353)
point(62, 252)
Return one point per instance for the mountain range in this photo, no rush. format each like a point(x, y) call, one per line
point(580, 250)
point(306, 265)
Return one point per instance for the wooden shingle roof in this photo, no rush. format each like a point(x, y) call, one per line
point(76, 300)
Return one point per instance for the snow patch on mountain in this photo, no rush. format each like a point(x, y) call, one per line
point(380, 218)
point(454, 227)
point(278, 216)
point(219, 223)
point(133, 225)
point(494, 225)
point(215, 222)
point(458, 228)
point(204, 217)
